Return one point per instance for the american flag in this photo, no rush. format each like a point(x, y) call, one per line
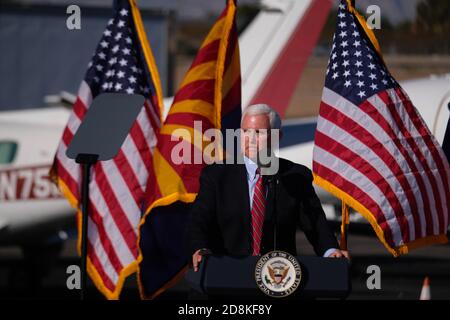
point(372, 147)
point(121, 63)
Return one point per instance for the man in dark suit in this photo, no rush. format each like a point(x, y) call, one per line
point(234, 212)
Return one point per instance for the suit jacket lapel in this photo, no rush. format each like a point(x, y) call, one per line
point(270, 199)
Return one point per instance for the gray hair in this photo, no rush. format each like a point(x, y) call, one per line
point(255, 109)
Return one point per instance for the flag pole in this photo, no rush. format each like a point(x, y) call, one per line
point(344, 226)
point(446, 142)
point(86, 160)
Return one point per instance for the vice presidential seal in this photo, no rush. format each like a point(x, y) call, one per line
point(278, 274)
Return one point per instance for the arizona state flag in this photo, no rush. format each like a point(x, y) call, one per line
point(208, 98)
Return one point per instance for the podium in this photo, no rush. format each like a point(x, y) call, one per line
point(234, 277)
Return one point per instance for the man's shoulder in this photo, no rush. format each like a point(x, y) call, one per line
point(217, 169)
point(288, 167)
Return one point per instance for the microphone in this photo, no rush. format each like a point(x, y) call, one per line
point(272, 181)
point(269, 179)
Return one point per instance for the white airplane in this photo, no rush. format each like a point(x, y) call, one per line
point(32, 209)
point(30, 205)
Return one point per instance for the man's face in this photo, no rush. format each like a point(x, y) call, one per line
point(255, 135)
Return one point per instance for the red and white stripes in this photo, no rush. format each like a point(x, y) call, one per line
point(382, 155)
point(116, 190)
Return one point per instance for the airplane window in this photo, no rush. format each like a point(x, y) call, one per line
point(7, 151)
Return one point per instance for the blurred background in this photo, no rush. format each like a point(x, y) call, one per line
point(42, 64)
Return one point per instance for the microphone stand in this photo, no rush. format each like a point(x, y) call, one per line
point(272, 181)
point(275, 212)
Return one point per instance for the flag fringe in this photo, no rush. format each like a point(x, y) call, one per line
point(363, 24)
point(220, 66)
point(173, 281)
point(165, 201)
point(91, 270)
point(149, 59)
point(397, 251)
point(344, 222)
